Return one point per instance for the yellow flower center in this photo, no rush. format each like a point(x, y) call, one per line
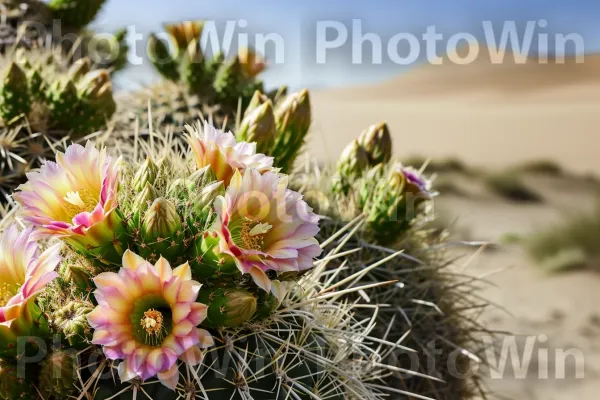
point(153, 324)
point(79, 201)
point(249, 234)
point(7, 291)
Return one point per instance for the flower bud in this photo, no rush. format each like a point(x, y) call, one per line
point(257, 100)
point(227, 307)
point(79, 276)
point(144, 199)
point(204, 202)
point(293, 118)
point(185, 32)
point(80, 68)
point(147, 173)
point(353, 161)
point(252, 62)
point(161, 220)
point(377, 142)
point(259, 126)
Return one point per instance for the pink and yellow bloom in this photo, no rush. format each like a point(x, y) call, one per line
point(24, 273)
point(265, 226)
point(221, 151)
point(147, 316)
point(73, 198)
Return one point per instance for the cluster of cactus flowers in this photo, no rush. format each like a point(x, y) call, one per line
point(33, 24)
point(45, 101)
point(188, 275)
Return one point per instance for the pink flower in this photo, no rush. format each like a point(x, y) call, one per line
point(265, 226)
point(74, 197)
point(221, 151)
point(25, 272)
point(147, 316)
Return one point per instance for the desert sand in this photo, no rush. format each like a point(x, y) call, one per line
point(487, 114)
point(494, 116)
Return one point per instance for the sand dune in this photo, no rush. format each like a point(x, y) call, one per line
point(488, 114)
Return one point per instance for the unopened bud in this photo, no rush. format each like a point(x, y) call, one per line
point(377, 141)
point(147, 173)
point(160, 220)
point(259, 126)
point(230, 307)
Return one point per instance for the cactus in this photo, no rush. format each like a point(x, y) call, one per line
point(76, 13)
point(44, 102)
point(276, 325)
point(217, 85)
point(13, 386)
point(30, 23)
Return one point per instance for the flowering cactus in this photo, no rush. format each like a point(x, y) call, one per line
point(25, 272)
point(75, 198)
point(147, 317)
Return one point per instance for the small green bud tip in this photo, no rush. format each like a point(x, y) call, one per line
point(145, 198)
point(353, 161)
point(259, 126)
point(158, 49)
point(228, 307)
point(161, 220)
point(377, 141)
point(78, 276)
point(209, 194)
point(258, 99)
point(295, 111)
point(147, 173)
point(80, 68)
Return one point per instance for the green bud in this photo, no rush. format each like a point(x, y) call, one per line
point(257, 100)
point(377, 142)
point(162, 59)
point(278, 94)
point(144, 199)
point(15, 101)
point(228, 82)
point(259, 126)
point(353, 161)
point(202, 177)
point(161, 220)
point(227, 307)
point(147, 173)
point(208, 195)
point(57, 375)
point(80, 68)
point(293, 118)
point(194, 70)
point(79, 276)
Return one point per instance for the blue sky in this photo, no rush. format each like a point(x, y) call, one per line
point(296, 22)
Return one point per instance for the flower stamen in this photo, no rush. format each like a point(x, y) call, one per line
point(249, 234)
point(153, 324)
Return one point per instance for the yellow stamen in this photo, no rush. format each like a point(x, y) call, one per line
point(153, 324)
point(79, 201)
point(7, 292)
point(75, 199)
